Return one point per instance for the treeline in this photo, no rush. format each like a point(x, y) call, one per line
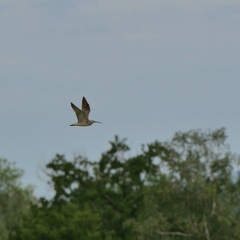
point(186, 188)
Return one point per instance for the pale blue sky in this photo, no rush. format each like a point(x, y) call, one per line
point(148, 68)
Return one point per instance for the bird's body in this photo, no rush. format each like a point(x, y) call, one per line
point(82, 115)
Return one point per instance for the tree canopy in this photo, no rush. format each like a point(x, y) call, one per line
point(186, 188)
point(14, 199)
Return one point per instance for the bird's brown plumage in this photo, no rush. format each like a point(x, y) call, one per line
point(82, 115)
point(85, 107)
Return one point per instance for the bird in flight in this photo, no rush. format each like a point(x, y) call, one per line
point(82, 115)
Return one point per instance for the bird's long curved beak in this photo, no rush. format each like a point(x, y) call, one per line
point(97, 122)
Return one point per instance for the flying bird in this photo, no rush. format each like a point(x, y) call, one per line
point(82, 115)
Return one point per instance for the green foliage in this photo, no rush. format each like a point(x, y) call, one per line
point(14, 199)
point(181, 189)
point(195, 197)
point(66, 221)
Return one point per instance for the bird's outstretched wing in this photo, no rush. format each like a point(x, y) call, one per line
point(85, 107)
point(79, 113)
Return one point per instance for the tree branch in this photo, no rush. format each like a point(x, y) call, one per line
point(112, 203)
point(173, 234)
point(206, 228)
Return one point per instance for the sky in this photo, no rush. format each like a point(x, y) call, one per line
point(148, 68)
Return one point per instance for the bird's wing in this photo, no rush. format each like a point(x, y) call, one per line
point(85, 107)
point(80, 115)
